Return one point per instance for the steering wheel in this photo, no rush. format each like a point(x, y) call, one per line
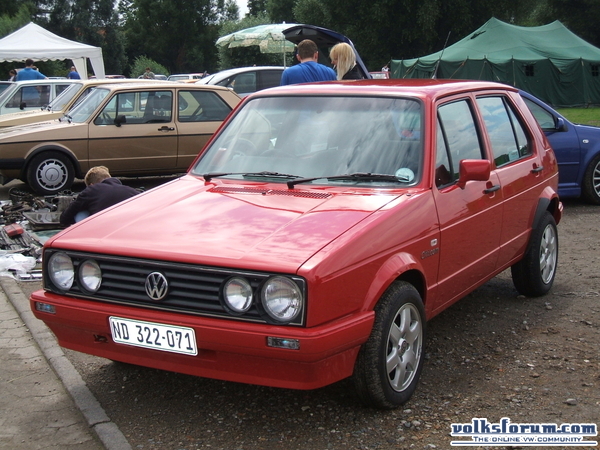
point(243, 147)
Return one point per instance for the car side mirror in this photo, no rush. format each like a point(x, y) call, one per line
point(473, 170)
point(561, 124)
point(22, 105)
point(120, 120)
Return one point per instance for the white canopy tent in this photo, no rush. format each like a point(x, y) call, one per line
point(33, 41)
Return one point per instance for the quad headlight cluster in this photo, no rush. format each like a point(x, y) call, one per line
point(277, 299)
point(280, 298)
point(61, 271)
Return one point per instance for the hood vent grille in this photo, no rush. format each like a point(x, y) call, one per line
point(254, 191)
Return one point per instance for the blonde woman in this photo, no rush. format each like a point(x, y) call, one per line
point(344, 61)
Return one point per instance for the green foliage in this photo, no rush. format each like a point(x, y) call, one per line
point(257, 8)
point(141, 62)
point(400, 29)
point(281, 11)
point(10, 22)
point(579, 16)
point(179, 34)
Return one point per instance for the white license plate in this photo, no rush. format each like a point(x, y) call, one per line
point(168, 338)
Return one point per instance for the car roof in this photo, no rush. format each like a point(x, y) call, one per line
point(45, 81)
point(218, 76)
point(118, 81)
point(138, 84)
point(421, 88)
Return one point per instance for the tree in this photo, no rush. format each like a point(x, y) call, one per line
point(257, 8)
point(579, 16)
point(139, 67)
point(179, 34)
point(386, 29)
point(92, 22)
point(281, 11)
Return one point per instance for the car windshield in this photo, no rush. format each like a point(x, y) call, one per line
point(376, 140)
point(64, 97)
point(82, 112)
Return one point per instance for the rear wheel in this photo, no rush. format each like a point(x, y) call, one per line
point(591, 182)
point(50, 172)
point(389, 364)
point(534, 274)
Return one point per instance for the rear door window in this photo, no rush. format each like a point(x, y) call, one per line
point(201, 106)
point(508, 139)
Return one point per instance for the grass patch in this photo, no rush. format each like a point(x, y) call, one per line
point(587, 116)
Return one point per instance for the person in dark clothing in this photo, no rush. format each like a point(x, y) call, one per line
point(344, 60)
point(101, 191)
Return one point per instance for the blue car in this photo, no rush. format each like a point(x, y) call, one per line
point(577, 149)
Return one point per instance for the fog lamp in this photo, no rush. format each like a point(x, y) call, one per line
point(277, 342)
point(45, 307)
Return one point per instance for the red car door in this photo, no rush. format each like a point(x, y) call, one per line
point(470, 217)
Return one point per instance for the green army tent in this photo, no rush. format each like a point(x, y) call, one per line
point(548, 61)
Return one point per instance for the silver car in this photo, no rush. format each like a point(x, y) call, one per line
point(246, 80)
point(31, 94)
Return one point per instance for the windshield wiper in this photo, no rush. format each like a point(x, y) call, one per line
point(66, 116)
point(351, 176)
point(209, 176)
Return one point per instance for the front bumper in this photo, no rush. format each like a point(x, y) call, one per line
point(228, 350)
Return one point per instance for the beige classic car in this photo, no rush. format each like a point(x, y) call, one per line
point(63, 102)
point(134, 129)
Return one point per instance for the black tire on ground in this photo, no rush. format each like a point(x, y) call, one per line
point(534, 274)
point(50, 172)
point(389, 364)
point(590, 186)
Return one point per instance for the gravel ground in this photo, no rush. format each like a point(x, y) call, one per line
point(494, 354)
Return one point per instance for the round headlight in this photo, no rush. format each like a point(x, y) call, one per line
point(90, 275)
point(237, 294)
point(60, 270)
point(282, 299)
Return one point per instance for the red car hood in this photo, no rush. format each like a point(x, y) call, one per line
point(256, 227)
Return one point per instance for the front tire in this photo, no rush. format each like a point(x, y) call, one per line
point(591, 182)
point(389, 364)
point(50, 172)
point(533, 276)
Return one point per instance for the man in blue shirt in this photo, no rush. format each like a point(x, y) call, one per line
point(73, 74)
point(309, 69)
point(29, 73)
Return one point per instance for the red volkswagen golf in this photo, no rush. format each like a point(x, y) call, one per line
point(314, 236)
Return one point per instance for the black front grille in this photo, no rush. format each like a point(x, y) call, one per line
point(192, 289)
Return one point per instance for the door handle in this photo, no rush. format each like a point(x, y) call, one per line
point(537, 169)
point(494, 188)
point(165, 128)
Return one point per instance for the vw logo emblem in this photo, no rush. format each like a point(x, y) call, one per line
point(157, 286)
